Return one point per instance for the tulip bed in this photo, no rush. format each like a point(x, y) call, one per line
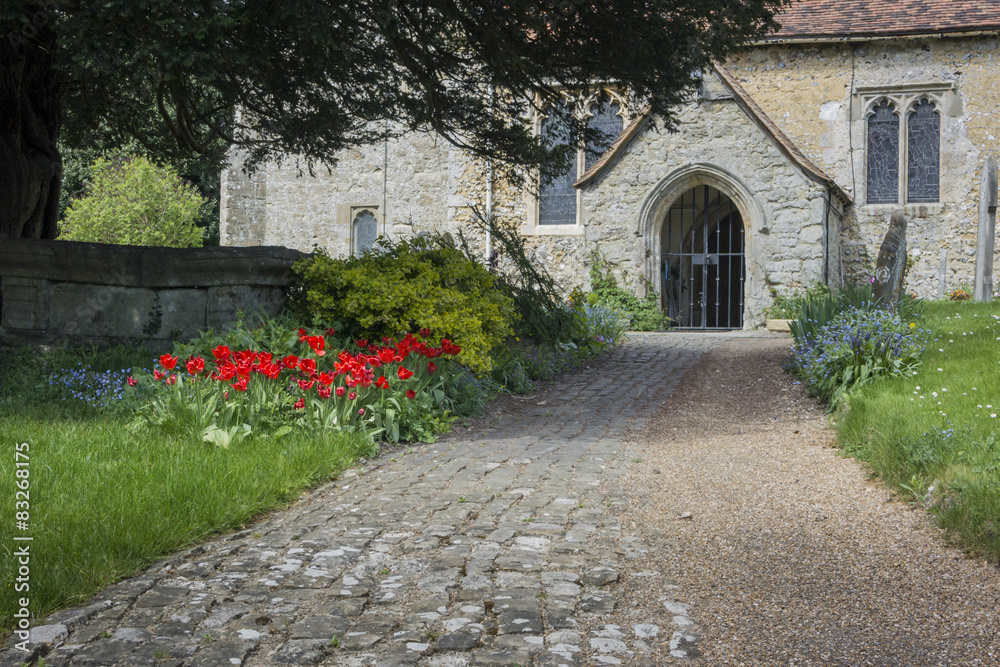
point(394, 391)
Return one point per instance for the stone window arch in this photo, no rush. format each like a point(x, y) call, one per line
point(923, 152)
point(883, 153)
point(364, 229)
point(903, 142)
point(554, 208)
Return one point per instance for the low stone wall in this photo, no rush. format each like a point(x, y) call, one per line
point(58, 291)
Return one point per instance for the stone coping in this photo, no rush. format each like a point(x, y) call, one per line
point(143, 266)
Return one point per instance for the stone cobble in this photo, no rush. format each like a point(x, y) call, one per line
point(500, 548)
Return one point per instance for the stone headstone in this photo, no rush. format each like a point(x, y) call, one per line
point(986, 237)
point(890, 269)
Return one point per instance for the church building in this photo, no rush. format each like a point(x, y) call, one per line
point(783, 172)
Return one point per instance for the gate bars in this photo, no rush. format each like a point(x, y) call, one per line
point(702, 283)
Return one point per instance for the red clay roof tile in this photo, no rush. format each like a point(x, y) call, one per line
point(818, 19)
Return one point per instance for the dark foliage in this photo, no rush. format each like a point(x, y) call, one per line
point(310, 78)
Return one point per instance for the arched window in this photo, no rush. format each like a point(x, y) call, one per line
point(923, 156)
point(883, 154)
point(364, 231)
point(604, 117)
point(557, 196)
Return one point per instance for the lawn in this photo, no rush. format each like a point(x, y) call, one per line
point(935, 435)
point(107, 499)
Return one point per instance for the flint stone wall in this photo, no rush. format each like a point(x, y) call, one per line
point(807, 90)
point(90, 292)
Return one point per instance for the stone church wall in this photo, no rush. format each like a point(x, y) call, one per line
point(806, 89)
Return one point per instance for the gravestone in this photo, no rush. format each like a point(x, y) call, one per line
point(891, 266)
point(986, 238)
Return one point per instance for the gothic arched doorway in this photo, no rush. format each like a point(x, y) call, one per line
point(704, 269)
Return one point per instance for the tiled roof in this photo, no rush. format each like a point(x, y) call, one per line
point(752, 109)
point(804, 20)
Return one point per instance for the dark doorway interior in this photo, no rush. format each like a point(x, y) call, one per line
point(703, 262)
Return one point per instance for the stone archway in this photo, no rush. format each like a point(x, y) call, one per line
point(658, 201)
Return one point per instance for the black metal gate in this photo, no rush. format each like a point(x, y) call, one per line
point(703, 263)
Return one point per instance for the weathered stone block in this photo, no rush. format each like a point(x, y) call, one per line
point(101, 310)
point(25, 303)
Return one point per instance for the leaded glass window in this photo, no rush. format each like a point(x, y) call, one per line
point(605, 117)
point(557, 196)
point(883, 154)
point(365, 231)
point(923, 146)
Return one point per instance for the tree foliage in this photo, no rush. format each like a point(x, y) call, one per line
point(312, 77)
point(134, 202)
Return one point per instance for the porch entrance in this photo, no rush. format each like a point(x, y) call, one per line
point(704, 269)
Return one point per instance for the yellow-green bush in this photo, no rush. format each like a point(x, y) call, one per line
point(132, 201)
point(404, 287)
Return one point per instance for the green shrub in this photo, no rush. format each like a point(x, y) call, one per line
point(544, 315)
point(643, 314)
point(787, 306)
point(855, 347)
point(132, 201)
point(405, 287)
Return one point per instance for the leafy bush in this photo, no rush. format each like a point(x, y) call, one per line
point(132, 201)
point(858, 345)
point(787, 306)
point(544, 317)
point(408, 286)
point(819, 306)
point(643, 314)
point(606, 323)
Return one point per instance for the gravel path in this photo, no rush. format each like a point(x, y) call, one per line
point(789, 553)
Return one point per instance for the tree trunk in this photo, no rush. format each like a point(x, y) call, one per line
point(30, 119)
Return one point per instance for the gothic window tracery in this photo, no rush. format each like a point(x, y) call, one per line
point(883, 154)
point(903, 158)
point(558, 200)
point(557, 196)
point(923, 162)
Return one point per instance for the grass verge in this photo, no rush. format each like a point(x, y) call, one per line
point(935, 436)
point(107, 500)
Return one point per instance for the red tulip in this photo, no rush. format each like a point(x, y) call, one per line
point(299, 404)
point(404, 373)
point(157, 375)
point(352, 396)
point(168, 362)
point(241, 384)
point(340, 391)
point(425, 333)
point(291, 361)
point(172, 380)
point(306, 385)
point(324, 392)
point(308, 366)
point(431, 367)
point(131, 381)
point(382, 383)
point(410, 394)
point(195, 365)
point(221, 353)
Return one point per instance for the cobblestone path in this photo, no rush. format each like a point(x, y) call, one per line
point(502, 548)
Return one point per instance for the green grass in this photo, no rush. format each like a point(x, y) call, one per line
point(107, 500)
point(935, 435)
